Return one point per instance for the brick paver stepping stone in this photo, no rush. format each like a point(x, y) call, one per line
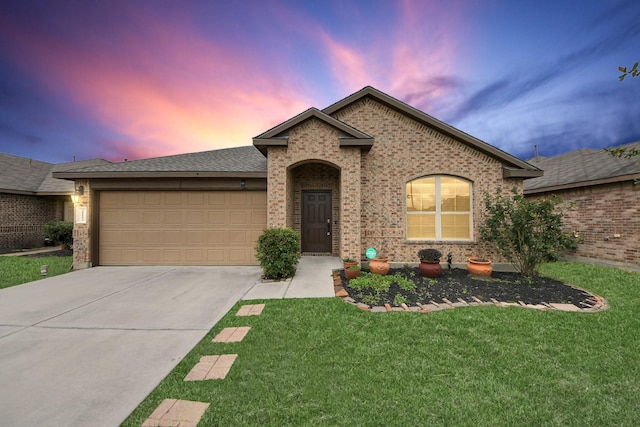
point(174, 412)
point(232, 334)
point(211, 368)
point(250, 310)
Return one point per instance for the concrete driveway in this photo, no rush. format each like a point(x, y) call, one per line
point(87, 347)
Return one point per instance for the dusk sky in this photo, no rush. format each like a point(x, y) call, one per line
point(144, 78)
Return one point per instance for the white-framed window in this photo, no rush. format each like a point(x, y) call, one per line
point(439, 208)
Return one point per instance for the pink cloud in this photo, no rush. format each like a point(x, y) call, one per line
point(164, 87)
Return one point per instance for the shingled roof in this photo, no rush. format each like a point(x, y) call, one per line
point(581, 168)
point(20, 175)
point(244, 161)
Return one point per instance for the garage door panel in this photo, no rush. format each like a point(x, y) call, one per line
point(172, 217)
point(216, 256)
point(180, 227)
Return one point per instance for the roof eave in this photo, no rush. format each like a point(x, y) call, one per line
point(521, 173)
point(572, 185)
point(138, 174)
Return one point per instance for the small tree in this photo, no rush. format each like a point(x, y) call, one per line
point(278, 251)
point(526, 232)
point(60, 232)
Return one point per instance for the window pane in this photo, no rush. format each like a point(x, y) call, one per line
point(454, 195)
point(421, 226)
point(455, 226)
point(421, 195)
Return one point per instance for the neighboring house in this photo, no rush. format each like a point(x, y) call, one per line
point(368, 171)
point(602, 202)
point(30, 197)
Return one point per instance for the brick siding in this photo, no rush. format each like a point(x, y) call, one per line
point(372, 184)
point(22, 219)
point(599, 214)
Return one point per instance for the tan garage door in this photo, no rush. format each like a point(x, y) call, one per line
point(180, 227)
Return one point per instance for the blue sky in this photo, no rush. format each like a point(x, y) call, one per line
point(134, 79)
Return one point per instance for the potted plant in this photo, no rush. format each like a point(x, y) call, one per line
point(479, 266)
point(430, 262)
point(352, 271)
point(349, 262)
point(379, 265)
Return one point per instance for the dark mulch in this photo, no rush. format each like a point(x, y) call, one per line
point(457, 283)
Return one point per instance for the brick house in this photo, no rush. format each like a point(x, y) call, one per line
point(30, 197)
point(602, 202)
point(367, 171)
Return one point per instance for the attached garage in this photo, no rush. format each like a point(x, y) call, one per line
point(180, 227)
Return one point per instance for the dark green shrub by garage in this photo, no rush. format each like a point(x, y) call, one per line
point(278, 251)
point(60, 232)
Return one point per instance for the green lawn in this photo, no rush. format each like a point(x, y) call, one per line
point(16, 270)
point(324, 362)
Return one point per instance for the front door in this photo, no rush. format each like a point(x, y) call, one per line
point(316, 221)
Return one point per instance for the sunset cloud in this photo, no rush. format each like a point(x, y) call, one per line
point(121, 79)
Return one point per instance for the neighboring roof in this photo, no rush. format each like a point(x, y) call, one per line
point(513, 166)
point(244, 161)
point(20, 175)
point(581, 168)
point(279, 135)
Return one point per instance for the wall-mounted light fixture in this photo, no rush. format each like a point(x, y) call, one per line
point(75, 197)
point(243, 184)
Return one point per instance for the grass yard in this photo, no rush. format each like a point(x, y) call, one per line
point(324, 362)
point(16, 270)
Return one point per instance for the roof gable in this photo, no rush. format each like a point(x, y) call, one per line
point(513, 166)
point(279, 135)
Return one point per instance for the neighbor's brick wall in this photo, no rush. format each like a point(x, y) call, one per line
point(315, 142)
point(22, 219)
point(599, 213)
point(405, 150)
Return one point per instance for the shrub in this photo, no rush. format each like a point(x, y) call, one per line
point(60, 232)
point(278, 251)
point(526, 232)
point(430, 255)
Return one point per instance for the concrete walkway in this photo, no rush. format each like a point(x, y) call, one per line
point(313, 279)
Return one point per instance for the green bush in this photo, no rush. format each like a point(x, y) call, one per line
point(60, 232)
point(278, 251)
point(526, 232)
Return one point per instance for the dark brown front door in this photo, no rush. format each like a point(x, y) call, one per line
point(316, 221)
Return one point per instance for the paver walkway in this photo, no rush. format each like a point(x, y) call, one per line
point(228, 335)
point(174, 412)
point(214, 367)
point(183, 413)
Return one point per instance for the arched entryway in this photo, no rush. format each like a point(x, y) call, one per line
point(315, 207)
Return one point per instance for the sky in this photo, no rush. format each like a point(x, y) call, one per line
point(133, 79)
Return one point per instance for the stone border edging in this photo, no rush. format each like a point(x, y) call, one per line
point(594, 304)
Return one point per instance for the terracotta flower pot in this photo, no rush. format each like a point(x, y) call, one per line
point(379, 265)
point(352, 273)
point(348, 264)
point(431, 269)
point(479, 267)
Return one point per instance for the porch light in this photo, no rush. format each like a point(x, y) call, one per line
point(75, 197)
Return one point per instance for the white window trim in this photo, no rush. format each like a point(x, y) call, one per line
point(438, 212)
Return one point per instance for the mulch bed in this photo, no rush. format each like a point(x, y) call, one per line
point(457, 284)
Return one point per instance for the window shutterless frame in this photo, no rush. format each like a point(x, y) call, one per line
point(439, 207)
